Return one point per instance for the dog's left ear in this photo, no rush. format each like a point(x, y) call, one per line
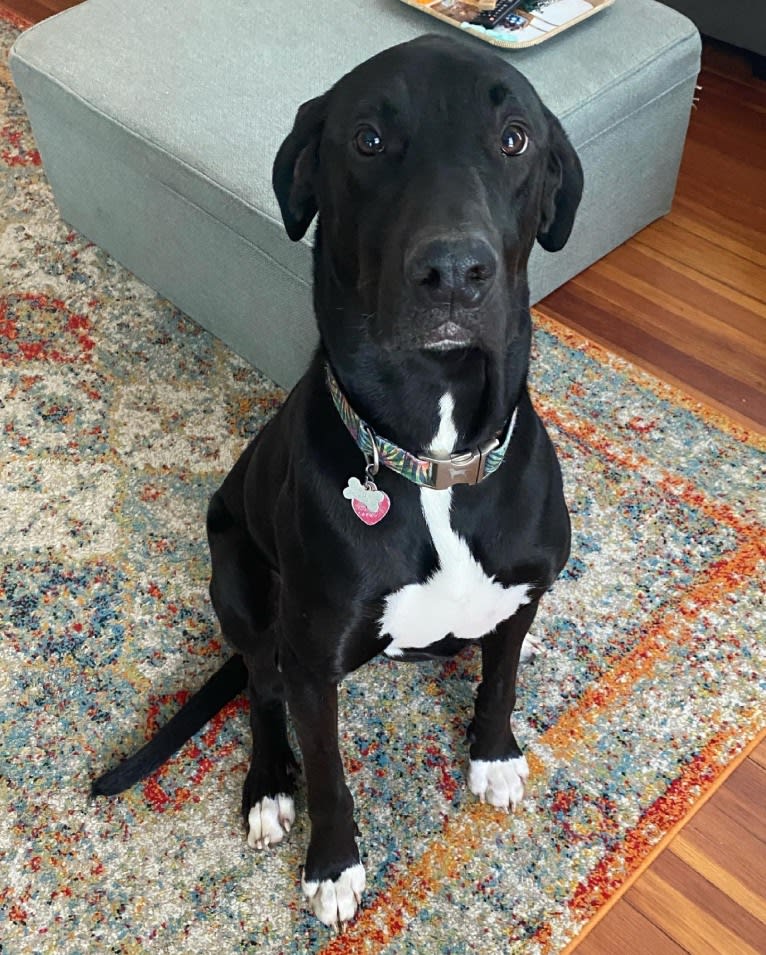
point(295, 168)
point(562, 189)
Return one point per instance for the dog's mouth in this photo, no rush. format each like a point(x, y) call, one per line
point(446, 337)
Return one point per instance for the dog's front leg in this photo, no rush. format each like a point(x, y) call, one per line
point(333, 879)
point(498, 770)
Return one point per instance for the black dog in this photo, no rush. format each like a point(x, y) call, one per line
point(432, 167)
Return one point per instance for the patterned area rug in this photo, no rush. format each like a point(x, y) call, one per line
point(119, 417)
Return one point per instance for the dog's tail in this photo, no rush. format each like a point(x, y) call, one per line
point(222, 687)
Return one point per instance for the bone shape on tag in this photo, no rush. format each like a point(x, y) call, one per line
point(356, 491)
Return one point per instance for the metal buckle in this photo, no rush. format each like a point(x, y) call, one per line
point(467, 467)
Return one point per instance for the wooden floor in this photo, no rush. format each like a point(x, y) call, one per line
point(686, 299)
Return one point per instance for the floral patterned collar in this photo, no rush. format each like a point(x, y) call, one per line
point(465, 467)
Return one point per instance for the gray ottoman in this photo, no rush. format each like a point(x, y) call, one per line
point(158, 122)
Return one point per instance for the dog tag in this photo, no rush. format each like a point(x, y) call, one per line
point(370, 505)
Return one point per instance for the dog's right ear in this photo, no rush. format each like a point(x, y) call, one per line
point(295, 168)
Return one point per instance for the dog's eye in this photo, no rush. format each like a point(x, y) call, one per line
point(368, 141)
point(514, 140)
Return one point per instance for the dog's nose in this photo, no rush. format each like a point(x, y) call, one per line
point(456, 271)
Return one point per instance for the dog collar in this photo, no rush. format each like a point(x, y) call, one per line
point(465, 467)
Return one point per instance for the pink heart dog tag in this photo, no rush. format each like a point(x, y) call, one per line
point(370, 505)
point(372, 517)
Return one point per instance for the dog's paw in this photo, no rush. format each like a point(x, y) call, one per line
point(498, 782)
point(530, 648)
point(336, 902)
point(270, 820)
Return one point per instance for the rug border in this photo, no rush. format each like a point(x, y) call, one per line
point(661, 388)
point(660, 847)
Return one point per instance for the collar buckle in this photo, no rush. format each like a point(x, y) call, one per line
point(466, 467)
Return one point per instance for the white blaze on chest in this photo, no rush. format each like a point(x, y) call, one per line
point(458, 598)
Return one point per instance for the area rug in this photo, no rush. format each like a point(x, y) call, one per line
point(119, 417)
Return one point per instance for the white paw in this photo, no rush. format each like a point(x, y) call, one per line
point(499, 782)
point(530, 649)
point(336, 902)
point(270, 820)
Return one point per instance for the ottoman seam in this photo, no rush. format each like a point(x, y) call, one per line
point(638, 109)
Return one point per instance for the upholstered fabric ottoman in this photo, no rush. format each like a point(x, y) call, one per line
point(158, 122)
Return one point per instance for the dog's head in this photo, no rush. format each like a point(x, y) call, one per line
point(433, 166)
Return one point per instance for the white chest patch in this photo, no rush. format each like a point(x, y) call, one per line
point(459, 598)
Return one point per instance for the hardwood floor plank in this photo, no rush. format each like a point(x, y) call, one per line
point(694, 913)
point(729, 62)
point(723, 339)
point(638, 257)
point(729, 268)
point(32, 10)
point(732, 105)
point(742, 799)
point(759, 755)
point(686, 300)
point(56, 6)
point(709, 223)
point(718, 235)
point(737, 207)
point(597, 319)
point(627, 930)
point(731, 177)
point(725, 869)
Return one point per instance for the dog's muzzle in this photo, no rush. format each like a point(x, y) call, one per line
point(455, 272)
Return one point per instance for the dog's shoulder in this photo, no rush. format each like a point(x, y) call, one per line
point(517, 524)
